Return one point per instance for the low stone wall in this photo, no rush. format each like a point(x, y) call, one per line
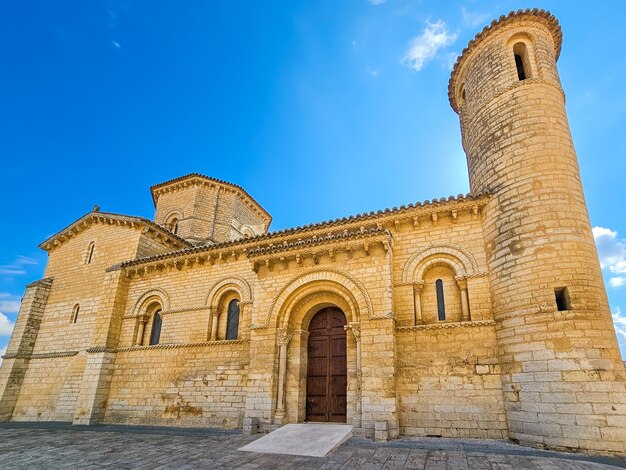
point(50, 388)
point(449, 381)
point(180, 385)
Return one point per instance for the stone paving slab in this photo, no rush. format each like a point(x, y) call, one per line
point(313, 440)
point(62, 446)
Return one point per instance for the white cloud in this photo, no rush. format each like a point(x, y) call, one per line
point(10, 306)
point(116, 44)
point(619, 319)
point(17, 267)
point(11, 270)
point(612, 253)
point(2, 351)
point(6, 325)
point(377, 2)
point(424, 47)
point(450, 60)
point(9, 303)
point(372, 72)
point(473, 19)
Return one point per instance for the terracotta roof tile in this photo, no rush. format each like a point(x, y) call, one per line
point(366, 216)
point(93, 214)
point(214, 180)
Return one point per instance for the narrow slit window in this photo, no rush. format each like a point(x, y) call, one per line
point(562, 299)
point(75, 312)
point(441, 307)
point(90, 251)
point(519, 63)
point(522, 64)
point(232, 322)
point(155, 334)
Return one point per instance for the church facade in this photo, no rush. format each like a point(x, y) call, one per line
point(480, 316)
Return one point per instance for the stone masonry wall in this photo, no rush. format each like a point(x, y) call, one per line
point(180, 386)
point(51, 384)
point(449, 382)
point(563, 379)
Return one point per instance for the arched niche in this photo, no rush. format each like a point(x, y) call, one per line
point(149, 304)
point(219, 298)
point(450, 266)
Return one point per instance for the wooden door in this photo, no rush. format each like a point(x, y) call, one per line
point(326, 367)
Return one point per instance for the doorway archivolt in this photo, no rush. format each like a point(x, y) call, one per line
point(294, 321)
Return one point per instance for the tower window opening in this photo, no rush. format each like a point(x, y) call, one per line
point(522, 64)
point(519, 63)
point(75, 313)
point(232, 322)
point(441, 307)
point(155, 334)
point(172, 225)
point(90, 251)
point(562, 299)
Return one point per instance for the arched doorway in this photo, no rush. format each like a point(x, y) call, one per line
point(326, 398)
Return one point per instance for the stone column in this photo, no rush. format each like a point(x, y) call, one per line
point(355, 328)
point(417, 299)
point(94, 388)
point(462, 283)
point(215, 317)
point(244, 333)
point(140, 330)
point(284, 337)
point(21, 345)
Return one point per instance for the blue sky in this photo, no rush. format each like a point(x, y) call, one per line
point(311, 106)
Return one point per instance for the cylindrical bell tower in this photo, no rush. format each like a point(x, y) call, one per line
point(563, 377)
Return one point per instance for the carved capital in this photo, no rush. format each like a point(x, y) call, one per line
point(284, 336)
point(355, 328)
point(418, 286)
point(461, 282)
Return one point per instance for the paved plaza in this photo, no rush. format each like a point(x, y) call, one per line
point(60, 446)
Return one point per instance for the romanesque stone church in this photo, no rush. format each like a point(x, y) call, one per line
point(480, 316)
